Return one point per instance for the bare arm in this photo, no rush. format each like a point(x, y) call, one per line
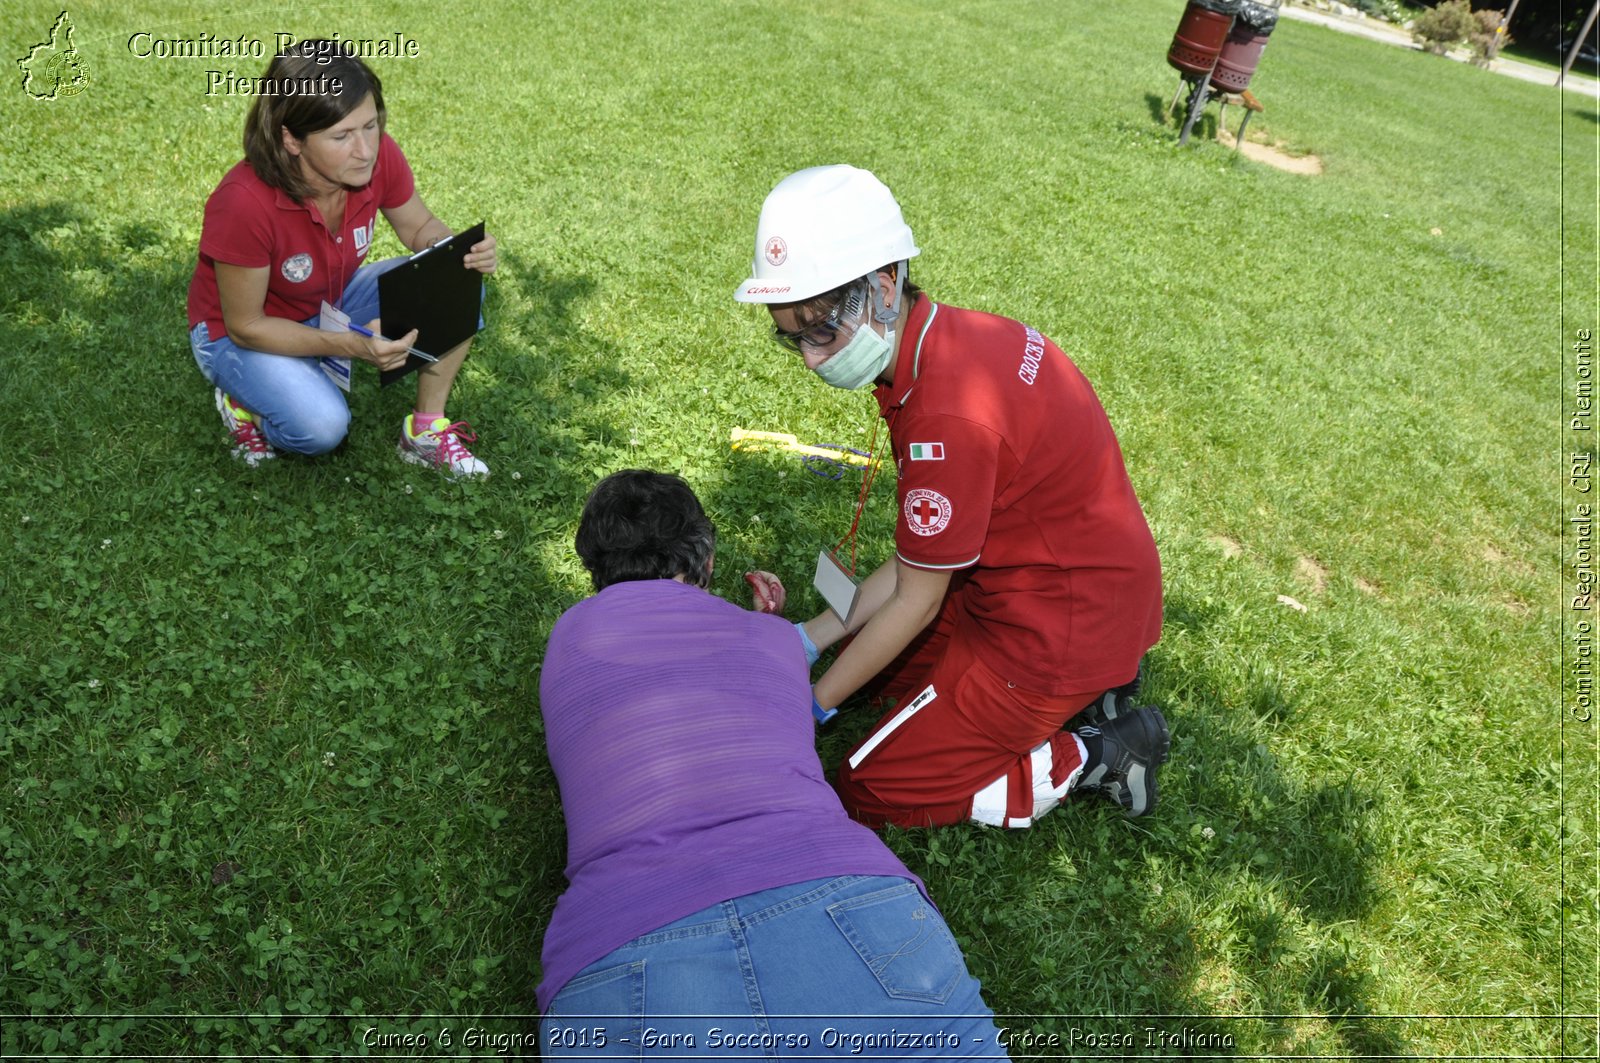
point(418, 229)
point(898, 601)
point(826, 628)
point(243, 293)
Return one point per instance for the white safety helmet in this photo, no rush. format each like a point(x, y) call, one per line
point(822, 228)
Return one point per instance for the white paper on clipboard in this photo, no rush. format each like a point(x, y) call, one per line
point(837, 586)
point(332, 319)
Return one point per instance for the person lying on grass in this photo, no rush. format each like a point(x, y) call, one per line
point(712, 871)
point(1025, 588)
point(287, 229)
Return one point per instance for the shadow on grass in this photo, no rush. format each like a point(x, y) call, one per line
point(1160, 115)
point(1287, 866)
point(1239, 888)
point(270, 738)
point(538, 383)
point(1205, 126)
point(80, 310)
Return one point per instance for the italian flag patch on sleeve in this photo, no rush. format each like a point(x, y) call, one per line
point(925, 452)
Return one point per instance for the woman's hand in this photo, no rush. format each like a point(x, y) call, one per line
point(481, 256)
point(768, 592)
point(385, 354)
point(419, 230)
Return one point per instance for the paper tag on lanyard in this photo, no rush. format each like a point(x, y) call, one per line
point(335, 320)
point(837, 586)
point(835, 582)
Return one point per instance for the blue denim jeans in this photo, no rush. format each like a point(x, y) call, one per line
point(300, 408)
point(852, 966)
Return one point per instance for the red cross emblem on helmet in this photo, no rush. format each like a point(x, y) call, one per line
point(777, 251)
point(927, 512)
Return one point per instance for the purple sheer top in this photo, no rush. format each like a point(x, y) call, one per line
point(680, 730)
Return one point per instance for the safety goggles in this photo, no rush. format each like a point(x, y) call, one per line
point(844, 315)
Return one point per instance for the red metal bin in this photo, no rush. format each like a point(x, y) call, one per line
point(1201, 34)
point(1241, 52)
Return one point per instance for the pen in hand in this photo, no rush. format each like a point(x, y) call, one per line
point(424, 355)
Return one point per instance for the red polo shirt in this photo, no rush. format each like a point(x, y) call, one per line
point(251, 224)
point(1009, 469)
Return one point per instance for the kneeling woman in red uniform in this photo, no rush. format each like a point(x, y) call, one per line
point(1026, 587)
point(287, 229)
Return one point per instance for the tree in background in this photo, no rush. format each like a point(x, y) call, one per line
point(1482, 36)
point(1445, 26)
point(1544, 24)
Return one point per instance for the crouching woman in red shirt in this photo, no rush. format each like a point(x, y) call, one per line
point(288, 228)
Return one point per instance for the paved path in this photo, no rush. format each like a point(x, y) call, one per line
point(1387, 33)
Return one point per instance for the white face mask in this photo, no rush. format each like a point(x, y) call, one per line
point(859, 362)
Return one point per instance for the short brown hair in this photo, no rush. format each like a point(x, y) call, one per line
point(311, 86)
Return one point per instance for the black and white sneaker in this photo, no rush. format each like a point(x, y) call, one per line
point(1124, 756)
point(1118, 701)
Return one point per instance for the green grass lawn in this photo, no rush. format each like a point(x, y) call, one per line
point(270, 745)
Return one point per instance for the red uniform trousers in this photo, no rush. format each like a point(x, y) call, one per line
point(961, 742)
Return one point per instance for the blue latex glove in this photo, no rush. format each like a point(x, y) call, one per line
point(812, 653)
point(823, 715)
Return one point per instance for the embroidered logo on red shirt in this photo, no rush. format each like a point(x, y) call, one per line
point(1032, 353)
point(296, 268)
point(927, 512)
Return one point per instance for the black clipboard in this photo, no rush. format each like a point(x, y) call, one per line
point(434, 294)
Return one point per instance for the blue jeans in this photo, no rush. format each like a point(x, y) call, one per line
point(851, 966)
point(300, 408)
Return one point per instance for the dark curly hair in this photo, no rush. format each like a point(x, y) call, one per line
point(639, 524)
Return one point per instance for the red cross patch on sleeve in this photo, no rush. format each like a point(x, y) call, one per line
point(927, 511)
